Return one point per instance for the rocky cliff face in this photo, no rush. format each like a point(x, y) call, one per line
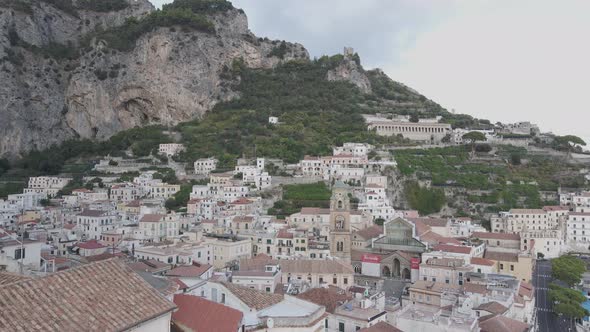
point(350, 71)
point(170, 76)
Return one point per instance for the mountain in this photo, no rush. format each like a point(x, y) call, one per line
point(65, 76)
point(85, 69)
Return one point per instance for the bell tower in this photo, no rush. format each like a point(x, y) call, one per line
point(340, 234)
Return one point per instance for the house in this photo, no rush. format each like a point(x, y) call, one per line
point(170, 149)
point(96, 222)
point(317, 272)
point(126, 302)
point(91, 248)
point(205, 166)
point(196, 314)
point(201, 271)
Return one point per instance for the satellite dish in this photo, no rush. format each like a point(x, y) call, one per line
point(270, 323)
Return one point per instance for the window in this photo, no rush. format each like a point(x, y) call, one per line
point(326, 323)
point(346, 281)
point(334, 280)
point(511, 267)
point(340, 326)
point(501, 266)
point(19, 253)
point(222, 297)
point(268, 289)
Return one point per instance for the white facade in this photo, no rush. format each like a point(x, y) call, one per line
point(204, 166)
point(170, 149)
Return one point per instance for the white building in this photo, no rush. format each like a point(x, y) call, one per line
point(49, 185)
point(157, 227)
point(170, 149)
point(205, 166)
point(95, 222)
point(355, 149)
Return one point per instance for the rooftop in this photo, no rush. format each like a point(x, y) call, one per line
point(96, 296)
point(197, 314)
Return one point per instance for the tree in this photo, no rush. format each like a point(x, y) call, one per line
point(472, 137)
point(379, 221)
point(515, 159)
point(567, 143)
point(567, 301)
point(568, 269)
point(414, 118)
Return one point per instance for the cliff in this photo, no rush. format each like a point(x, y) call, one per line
point(63, 81)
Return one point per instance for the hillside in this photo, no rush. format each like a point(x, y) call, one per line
point(82, 70)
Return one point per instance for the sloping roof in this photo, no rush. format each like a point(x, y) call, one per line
point(251, 297)
point(501, 256)
point(492, 307)
point(314, 210)
point(432, 222)
point(151, 218)
point(475, 288)
point(498, 236)
point(370, 232)
point(197, 314)
point(101, 296)
point(9, 278)
point(91, 213)
point(92, 244)
point(257, 263)
point(381, 327)
point(189, 270)
point(331, 298)
point(481, 261)
point(314, 266)
point(501, 324)
point(453, 249)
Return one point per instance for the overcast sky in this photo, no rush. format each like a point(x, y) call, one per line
point(504, 60)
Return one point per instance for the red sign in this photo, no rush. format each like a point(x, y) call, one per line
point(415, 263)
point(370, 258)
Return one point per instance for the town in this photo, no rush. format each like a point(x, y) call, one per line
point(270, 246)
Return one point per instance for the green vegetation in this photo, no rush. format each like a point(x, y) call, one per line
point(568, 269)
point(279, 51)
point(181, 198)
point(505, 183)
point(567, 143)
point(313, 191)
point(102, 5)
point(315, 115)
point(567, 301)
point(426, 201)
point(123, 38)
point(201, 6)
point(297, 196)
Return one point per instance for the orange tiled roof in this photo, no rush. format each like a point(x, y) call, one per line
point(101, 296)
point(197, 314)
point(251, 297)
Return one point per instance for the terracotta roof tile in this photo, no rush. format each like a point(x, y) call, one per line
point(481, 261)
point(501, 324)
point(453, 249)
point(315, 266)
point(251, 297)
point(370, 232)
point(101, 296)
point(151, 218)
point(189, 270)
point(381, 327)
point(492, 307)
point(499, 236)
point(197, 314)
point(331, 298)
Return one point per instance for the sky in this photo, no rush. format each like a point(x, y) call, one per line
point(502, 60)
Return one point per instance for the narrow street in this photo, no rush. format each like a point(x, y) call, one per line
point(546, 320)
